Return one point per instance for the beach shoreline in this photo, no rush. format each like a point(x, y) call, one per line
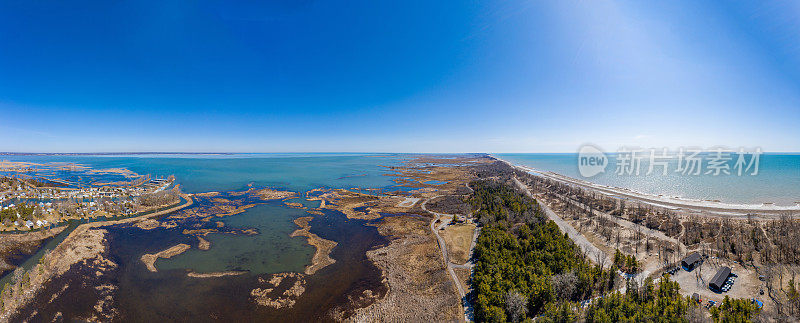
point(672, 203)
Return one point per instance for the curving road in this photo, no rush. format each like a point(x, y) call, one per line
point(446, 219)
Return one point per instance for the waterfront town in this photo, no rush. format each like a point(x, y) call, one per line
point(27, 203)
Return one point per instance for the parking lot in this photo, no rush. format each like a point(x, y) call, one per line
point(742, 283)
point(729, 283)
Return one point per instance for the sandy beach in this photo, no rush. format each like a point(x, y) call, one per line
point(671, 203)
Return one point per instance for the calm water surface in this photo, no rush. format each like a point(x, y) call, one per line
point(170, 294)
point(778, 180)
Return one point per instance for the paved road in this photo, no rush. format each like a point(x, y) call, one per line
point(573, 234)
point(630, 225)
point(582, 242)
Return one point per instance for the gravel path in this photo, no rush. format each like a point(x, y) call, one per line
point(447, 218)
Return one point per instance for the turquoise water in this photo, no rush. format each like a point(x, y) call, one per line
point(778, 180)
point(170, 295)
point(72, 178)
point(272, 250)
point(203, 173)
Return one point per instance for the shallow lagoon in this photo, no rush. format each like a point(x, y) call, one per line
point(270, 251)
point(170, 294)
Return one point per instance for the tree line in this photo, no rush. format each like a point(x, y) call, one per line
point(524, 265)
point(526, 268)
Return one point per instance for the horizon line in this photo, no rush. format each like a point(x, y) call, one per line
point(11, 153)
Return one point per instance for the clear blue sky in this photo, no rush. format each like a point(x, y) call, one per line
point(405, 76)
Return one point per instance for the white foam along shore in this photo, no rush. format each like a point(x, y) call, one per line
point(674, 203)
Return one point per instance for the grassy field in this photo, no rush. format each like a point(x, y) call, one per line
point(458, 238)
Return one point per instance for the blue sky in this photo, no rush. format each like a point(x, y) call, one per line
point(402, 76)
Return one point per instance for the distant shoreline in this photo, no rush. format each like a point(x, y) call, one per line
point(111, 154)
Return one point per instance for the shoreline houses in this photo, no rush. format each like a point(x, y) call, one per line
point(35, 207)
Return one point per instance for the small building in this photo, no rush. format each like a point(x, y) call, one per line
point(696, 298)
point(719, 279)
point(691, 261)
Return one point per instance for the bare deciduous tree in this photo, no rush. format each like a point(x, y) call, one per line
point(516, 305)
point(564, 285)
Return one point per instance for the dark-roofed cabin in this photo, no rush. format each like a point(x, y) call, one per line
point(719, 279)
point(690, 261)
